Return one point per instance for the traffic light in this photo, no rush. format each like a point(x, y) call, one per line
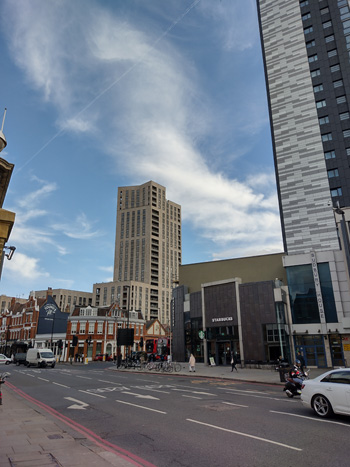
point(60, 344)
point(141, 342)
point(75, 341)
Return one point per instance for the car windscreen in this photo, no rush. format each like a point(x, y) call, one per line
point(47, 354)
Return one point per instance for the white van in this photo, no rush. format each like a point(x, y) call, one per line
point(41, 358)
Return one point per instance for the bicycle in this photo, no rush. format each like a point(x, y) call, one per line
point(3, 377)
point(177, 367)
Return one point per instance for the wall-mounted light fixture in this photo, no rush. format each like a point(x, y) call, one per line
point(11, 253)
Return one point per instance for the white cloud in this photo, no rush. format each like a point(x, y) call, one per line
point(24, 267)
point(37, 196)
point(106, 268)
point(149, 109)
point(80, 229)
point(236, 22)
point(77, 125)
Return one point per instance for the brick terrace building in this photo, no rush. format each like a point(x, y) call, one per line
point(96, 329)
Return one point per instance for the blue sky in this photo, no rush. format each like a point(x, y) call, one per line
point(102, 94)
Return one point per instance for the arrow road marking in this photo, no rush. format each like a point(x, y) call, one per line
point(141, 396)
point(78, 405)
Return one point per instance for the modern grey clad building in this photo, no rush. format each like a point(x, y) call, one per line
point(306, 49)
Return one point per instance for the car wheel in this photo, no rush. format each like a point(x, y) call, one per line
point(17, 364)
point(53, 365)
point(322, 406)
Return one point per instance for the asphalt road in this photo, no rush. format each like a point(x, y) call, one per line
point(172, 420)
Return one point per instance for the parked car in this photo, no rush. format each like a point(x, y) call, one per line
point(20, 359)
point(99, 357)
point(4, 359)
point(328, 393)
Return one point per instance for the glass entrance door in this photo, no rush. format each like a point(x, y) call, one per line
point(223, 353)
point(312, 349)
point(336, 350)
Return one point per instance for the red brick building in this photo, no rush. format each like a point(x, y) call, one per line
point(96, 330)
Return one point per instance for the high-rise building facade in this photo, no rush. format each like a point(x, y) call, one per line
point(306, 47)
point(148, 246)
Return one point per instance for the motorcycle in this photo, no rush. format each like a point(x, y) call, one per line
point(293, 385)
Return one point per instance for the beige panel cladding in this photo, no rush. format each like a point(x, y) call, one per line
point(252, 269)
point(304, 189)
point(7, 219)
point(65, 298)
point(6, 170)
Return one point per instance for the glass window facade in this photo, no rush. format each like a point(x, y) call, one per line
point(303, 294)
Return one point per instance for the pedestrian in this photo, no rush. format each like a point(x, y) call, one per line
point(119, 360)
point(301, 360)
point(233, 362)
point(114, 359)
point(192, 363)
point(82, 358)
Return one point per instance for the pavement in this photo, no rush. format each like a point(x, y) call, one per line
point(33, 436)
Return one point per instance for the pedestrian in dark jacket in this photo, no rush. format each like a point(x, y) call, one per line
point(233, 362)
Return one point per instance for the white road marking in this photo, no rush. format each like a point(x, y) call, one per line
point(43, 379)
point(237, 393)
point(311, 418)
point(194, 392)
point(141, 407)
point(141, 396)
point(251, 392)
point(192, 397)
point(109, 382)
point(92, 394)
point(237, 405)
point(83, 377)
point(63, 385)
point(154, 390)
point(246, 435)
point(79, 404)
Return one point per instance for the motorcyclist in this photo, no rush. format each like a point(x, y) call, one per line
point(295, 372)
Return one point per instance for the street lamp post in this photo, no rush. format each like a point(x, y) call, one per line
point(128, 319)
point(52, 328)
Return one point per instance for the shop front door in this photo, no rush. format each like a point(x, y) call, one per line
point(223, 353)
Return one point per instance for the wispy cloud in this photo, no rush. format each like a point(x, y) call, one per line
point(80, 228)
point(155, 115)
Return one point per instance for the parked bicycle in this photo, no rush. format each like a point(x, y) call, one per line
point(3, 377)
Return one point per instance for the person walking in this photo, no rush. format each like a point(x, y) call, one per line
point(233, 362)
point(192, 363)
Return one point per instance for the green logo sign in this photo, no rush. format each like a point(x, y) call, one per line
point(201, 334)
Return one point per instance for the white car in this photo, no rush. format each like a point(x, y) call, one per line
point(328, 393)
point(4, 359)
